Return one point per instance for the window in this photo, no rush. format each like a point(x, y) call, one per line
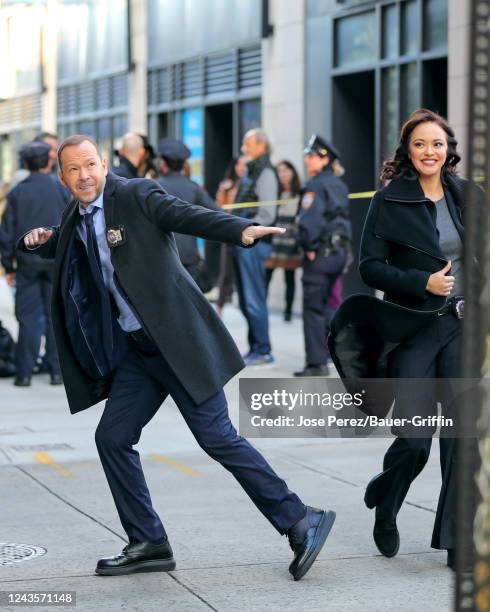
point(410, 27)
point(409, 86)
point(391, 32)
point(435, 25)
point(389, 110)
point(356, 39)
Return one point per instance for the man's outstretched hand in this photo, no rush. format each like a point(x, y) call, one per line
point(38, 236)
point(254, 232)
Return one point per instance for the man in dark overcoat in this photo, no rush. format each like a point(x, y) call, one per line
point(132, 326)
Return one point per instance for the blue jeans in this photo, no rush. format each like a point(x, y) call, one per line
point(252, 293)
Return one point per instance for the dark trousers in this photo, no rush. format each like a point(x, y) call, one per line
point(290, 287)
point(434, 352)
point(33, 312)
point(318, 279)
point(141, 384)
point(252, 294)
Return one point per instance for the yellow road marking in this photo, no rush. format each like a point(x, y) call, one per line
point(46, 459)
point(181, 467)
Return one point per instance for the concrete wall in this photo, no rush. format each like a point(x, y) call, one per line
point(459, 14)
point(137, 119)
point(283, 80)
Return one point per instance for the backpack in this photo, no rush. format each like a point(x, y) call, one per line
point(7, 353)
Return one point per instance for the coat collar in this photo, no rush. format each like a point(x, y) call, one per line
point(409, 190)
point(111, 182)
point(405, 190)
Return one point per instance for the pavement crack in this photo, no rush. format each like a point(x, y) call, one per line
point(69, 504)
point(287, 458)
point(5, 454)
point(184, 586)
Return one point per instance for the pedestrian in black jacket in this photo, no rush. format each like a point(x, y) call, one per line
point(37, 200)
point(173, 155)
point(412, 250)
point(131, 325)
point(131, 155)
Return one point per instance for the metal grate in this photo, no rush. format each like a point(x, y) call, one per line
point(220, 73)
point(192, 79)
point(30, 448)
point(15, 553)
point(215, 74)
point(89, 96)
point(19, 111)
point(249, 68)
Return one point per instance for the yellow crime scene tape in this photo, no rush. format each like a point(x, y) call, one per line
point(352, 196)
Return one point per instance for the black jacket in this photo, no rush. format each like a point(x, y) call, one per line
point(399, 250)
point(323, 211)
point(178, 185)
point(37, 201)
point(170, 306)
point(125, 168)
point(400, 243)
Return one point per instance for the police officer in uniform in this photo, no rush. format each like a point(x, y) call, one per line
point(173, 155)
point(37, 201)
point(324, 232)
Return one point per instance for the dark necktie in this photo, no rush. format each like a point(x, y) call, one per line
point(97, 276)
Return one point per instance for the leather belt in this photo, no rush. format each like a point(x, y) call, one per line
point(138, 335)
point(454, 305)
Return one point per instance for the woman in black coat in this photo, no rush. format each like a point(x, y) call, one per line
point(412, 250)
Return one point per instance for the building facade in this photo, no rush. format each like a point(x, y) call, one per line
point(206, 71)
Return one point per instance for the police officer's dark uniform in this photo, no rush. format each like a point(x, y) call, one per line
point(35, 202)
point(325, 229)
point(174, 152)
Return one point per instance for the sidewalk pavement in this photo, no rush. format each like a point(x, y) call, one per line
point(54, 496)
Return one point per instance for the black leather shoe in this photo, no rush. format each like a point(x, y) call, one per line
point(138, 557)
point(22, 381)
point(56, 379)
point(386, 537)
point(320, 370)
point(371, 494)
point(307, 538)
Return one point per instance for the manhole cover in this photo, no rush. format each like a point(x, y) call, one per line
point(15, 553)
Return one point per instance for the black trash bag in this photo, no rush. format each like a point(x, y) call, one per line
point(7, 353)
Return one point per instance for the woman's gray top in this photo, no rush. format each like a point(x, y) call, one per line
point(450, 244)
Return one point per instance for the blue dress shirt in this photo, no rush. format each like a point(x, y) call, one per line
point(126, 319)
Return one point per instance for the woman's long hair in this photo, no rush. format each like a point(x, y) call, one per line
point(230, 172)
point(295, 181)
point(401, 166)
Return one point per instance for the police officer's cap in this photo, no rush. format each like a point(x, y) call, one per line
point(33, 149)
point(173, 150)
point(319, 146)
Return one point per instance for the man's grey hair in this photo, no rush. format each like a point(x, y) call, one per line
point(260, 136)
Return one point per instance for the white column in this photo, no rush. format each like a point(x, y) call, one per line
point(138, 77)
point(459, 17)
point(283, 81)
point(50, 68)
